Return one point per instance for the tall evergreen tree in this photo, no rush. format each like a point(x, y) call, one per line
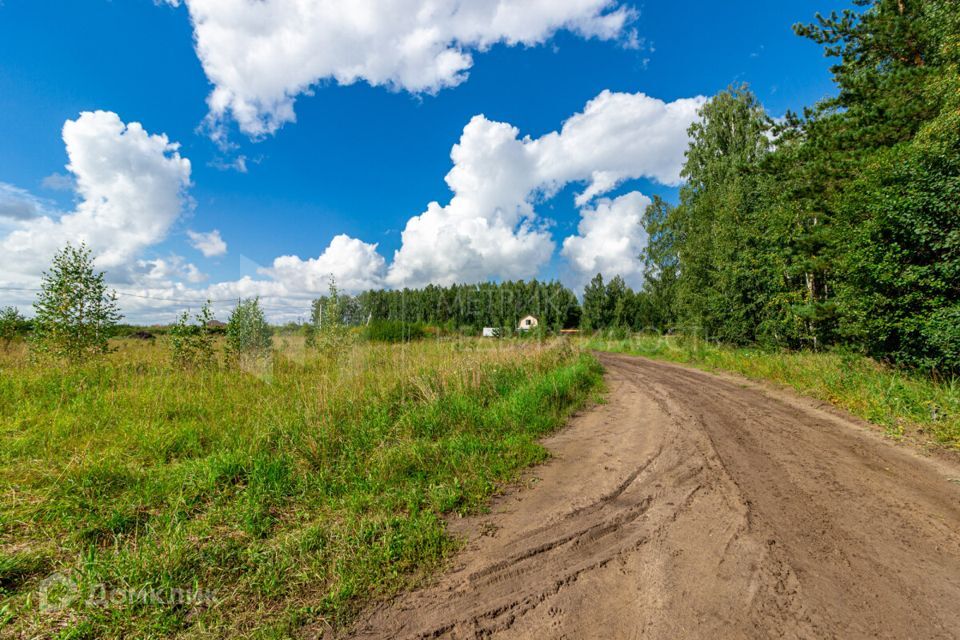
point(594, 303)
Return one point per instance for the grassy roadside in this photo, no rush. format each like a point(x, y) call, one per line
point(903, 403)
point(222, 503)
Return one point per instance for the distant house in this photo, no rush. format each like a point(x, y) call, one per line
point(527, 323)
point(491, 332)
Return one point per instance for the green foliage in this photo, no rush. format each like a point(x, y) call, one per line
point(248, 333)
point(887, 55)
point(74, 312)
point(837, 227)
point(595, 312)
point(940, 336)
point(12, 324)
point(729, 267)
point(330, 321)
point(661, 268)
point(394, 331)
point(192, 344)
point(616, 307)
point(902, 290)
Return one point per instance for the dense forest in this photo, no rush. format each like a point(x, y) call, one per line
point(840, 225)
point(837, 226)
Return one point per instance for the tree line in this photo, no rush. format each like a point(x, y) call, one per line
point(460, 307)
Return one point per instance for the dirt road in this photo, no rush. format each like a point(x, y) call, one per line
point(695, 506)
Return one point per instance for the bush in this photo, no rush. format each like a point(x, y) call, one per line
point(394, 331)
point(941, 333)
point(329, 329)
point(12, 324)
point(900, 298)
point(247, 331)
point(192, 344)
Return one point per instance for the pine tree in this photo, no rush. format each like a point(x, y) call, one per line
point(594, 299)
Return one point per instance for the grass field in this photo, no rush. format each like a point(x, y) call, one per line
point(249, 503)
point(903, 403)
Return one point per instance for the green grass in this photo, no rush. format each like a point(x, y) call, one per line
point(902, 402)
point(293, 492)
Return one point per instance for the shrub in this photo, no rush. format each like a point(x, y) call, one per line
point(329, 330)
point(899, 297)
point(394, 331)
point(191, 345)
point(247, 331)
point(12, 323)
point(74, 313)
point(941, 332)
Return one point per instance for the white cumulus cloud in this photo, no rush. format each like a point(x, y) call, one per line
point(164, 272)
point(286, 288)
point(487, 229)
point(131, 187)
point(609, 240)
point(260, 55)
point(490, 227)
point(355, 265)
point(210, 244)
point(20, 204)
point(618, 136)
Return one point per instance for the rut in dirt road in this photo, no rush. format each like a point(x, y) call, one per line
point(691, 505)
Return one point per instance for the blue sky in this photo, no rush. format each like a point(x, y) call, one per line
point(360, 160)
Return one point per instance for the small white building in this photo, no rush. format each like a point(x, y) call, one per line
point(491, 332)
point(527, 323)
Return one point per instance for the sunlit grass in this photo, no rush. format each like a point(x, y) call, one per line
point(293, 491)
point(902, 402)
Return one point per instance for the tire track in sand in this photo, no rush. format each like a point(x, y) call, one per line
point(691, 505)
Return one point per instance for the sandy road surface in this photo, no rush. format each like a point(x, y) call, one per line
point(695, 506)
